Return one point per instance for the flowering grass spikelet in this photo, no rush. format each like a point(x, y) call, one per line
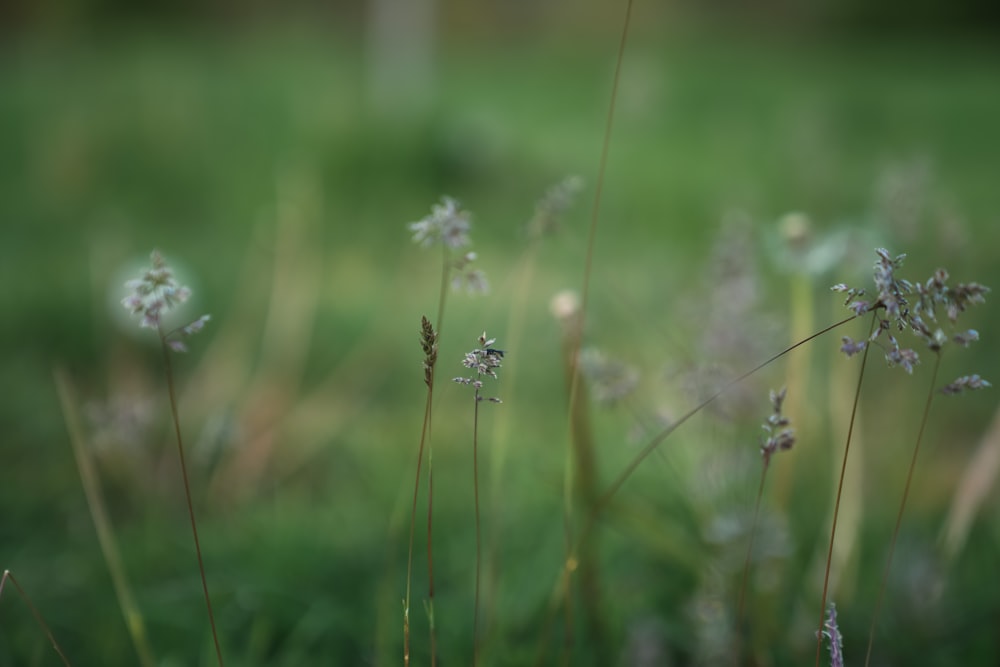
point(155, 293)
point(780, 435)
point(832, 633)
point(428, 342)
point(447, 223)
point(484, 361)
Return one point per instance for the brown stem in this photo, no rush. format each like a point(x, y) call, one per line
point(475, 492)
point(902, 506)
point(7, 574)
point(840, 490)
point(187, 491)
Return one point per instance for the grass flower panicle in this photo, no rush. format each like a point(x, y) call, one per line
point(155, 293)
point(447, 223)
point(484, 360)
point(910, 306)
point(780, 435)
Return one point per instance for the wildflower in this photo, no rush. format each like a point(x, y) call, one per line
point(484, 361)
point(154, 294)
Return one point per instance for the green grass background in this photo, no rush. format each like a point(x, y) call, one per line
point(251, 159)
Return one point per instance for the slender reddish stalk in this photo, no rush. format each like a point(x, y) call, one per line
point(840, 490)
point(7, 574)
point(902, 506)
point(187, 491)
point(475, 492)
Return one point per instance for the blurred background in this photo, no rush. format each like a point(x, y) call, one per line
point(275, 152)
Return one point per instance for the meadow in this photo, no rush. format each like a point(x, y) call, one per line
point(747, 173)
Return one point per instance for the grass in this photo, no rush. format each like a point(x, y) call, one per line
point(301, 424)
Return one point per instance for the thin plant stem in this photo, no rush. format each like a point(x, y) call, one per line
point(475, 493)
point(426, 442)
point(187, 489)
point(428, 420)
point(7, 574)
point(840, 489)
point(413, 522)
point(746, 563)
point(574, 353)
point(102, 523)
point(902, 505)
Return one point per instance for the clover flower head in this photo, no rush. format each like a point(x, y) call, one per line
point(155, 293)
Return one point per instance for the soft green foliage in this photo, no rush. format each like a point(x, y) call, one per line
point(254, 162)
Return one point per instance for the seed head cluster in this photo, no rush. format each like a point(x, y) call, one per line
point(155, 293)
point(448, 225)
point(484, 362)
point(904, 306)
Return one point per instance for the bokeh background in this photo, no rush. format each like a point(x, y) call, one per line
point(274, 152)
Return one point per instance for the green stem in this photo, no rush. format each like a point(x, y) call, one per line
point(840, 490)
point(102, 523)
